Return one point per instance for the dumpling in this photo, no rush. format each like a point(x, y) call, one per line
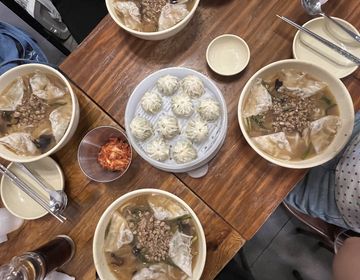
point(60, 119)
point(43, 88)
point(209, 109)
point(181, 105)
point(275, 144)
point(300, 83)
point(171, 14)
point(12, 97)
point(151, 102)
point(183, 151)
point(258, 101)
point(141, 128)
point(180, 252)
point(158, 149)
point(322, 132)
point(193, 86)
point(39, 81)
point(167, 85)
point(20, 143)
point(130, 14)
point(119, 233)
point(165, 208)
point(168, 126)
point(197, 130)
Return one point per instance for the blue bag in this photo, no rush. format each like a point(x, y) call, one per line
point(16, 44)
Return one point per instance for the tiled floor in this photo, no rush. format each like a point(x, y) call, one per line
point(277, 249)
point(53, 54)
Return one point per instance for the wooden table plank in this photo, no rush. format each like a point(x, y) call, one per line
point(242, 187)
point(88, 200)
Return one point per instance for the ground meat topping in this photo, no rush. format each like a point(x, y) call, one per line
point(292, 113)
point(30, 111)
point(153, 237)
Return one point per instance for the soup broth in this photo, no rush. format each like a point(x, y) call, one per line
point(35, 111)
point(291, 115)
point(151, 15)
point(151, 237)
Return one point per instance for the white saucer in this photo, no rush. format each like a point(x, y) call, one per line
point(309, 49)
point(228, 54)
point(20, 204)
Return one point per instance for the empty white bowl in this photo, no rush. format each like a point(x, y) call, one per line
point(228, 54)
point(19, 203)
point(101, 266)
point(339, 91)
point(22, 70)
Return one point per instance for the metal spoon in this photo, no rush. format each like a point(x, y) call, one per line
point(313, 7)
point(58, 198)
point(177, 1)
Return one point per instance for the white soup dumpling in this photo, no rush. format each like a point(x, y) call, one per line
point(197, 130)
point(168, 126)
point(158, 149)
point(181, 105)
point(184, 151)
point(193, 86)
point(167, 85)
point(141, 128)
point(209, 109)
point(151, 102)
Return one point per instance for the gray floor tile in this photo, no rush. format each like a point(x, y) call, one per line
point(53, 54)
point(262, 239)
point(291, 250)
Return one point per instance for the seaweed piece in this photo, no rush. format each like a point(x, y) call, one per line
point(43, 141)
point(258, 120)
point(278, 84)
point(326, 100)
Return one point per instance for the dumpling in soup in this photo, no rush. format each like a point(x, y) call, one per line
point(322, 132)
point(129, 13)
point(20, 143)
point(258, 101)
point(171, 14)
point(43, 88)
point(300, 83)
point(275, 145)
point(13, 96)
point(60, 119)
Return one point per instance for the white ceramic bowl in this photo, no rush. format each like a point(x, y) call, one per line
point(152, 36)
point(98, 243)
point(11, 75)
point(341, 95)
point(19, 203)
point(228, 54)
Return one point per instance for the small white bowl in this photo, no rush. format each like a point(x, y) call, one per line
point(22, 70)
point(152, 36)
point(339, 91)
point(228, 54)
point(19, 203)
point(98, 243)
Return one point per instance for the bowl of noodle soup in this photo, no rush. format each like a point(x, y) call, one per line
point(120, 250)
point(151, 20)
point(39, 112)
point(295, 114)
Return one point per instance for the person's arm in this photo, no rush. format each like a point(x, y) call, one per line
point(346, 264)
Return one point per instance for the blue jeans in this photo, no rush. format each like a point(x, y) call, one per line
point(315, 193)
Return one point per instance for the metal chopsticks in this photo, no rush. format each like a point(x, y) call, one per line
point(30, 192)
point(322, 40)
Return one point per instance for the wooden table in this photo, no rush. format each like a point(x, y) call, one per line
point(241, 189)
